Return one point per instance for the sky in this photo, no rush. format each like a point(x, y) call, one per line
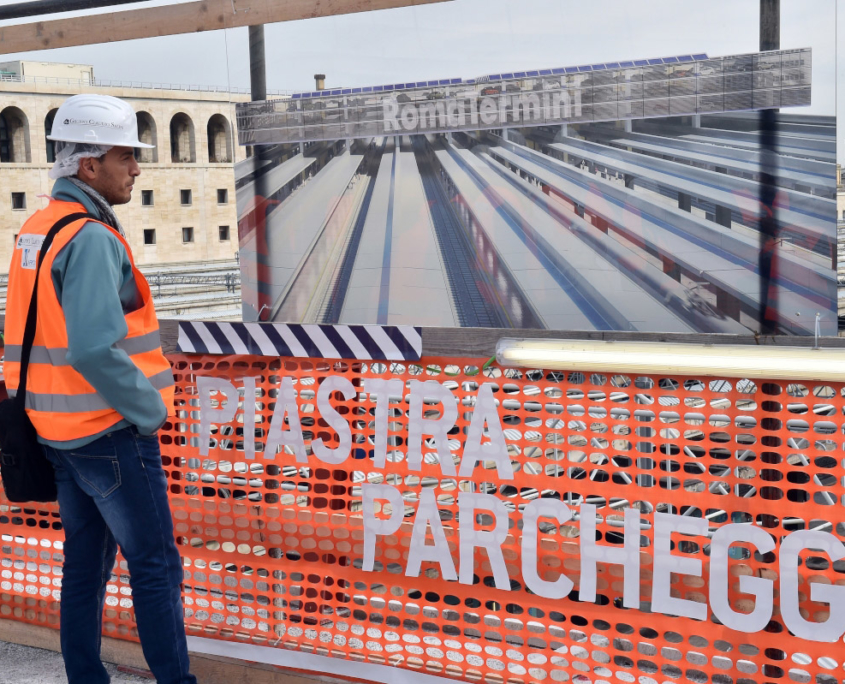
point(469, 38)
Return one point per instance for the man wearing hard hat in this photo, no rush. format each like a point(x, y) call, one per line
point(97, 389)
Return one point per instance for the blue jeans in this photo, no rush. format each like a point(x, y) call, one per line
point(114, 492)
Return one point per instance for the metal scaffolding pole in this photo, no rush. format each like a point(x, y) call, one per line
point(769, 25)
point(257, 63)
point(258, 92)
point(769, 229)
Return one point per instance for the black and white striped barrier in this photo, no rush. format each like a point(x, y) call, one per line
point(364, 342)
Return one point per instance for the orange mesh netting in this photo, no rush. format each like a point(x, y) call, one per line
point(273, 548)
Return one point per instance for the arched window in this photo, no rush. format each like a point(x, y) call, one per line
point(48, 126)
point(182, 144)
point(219, 140)
point(146, 134)
point(14, 136)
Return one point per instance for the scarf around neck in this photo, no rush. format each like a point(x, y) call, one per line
point(106, 211)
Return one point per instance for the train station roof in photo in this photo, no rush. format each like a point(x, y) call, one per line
point(635, 89)
point(650, 227)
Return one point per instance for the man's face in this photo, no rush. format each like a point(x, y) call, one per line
point(112, 175)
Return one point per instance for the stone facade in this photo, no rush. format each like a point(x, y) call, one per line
point(23, 171)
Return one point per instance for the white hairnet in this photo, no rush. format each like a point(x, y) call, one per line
point(68, 155)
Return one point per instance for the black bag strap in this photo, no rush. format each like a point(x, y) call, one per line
point(32, 315)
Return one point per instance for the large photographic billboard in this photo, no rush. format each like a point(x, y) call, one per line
point(646, 195)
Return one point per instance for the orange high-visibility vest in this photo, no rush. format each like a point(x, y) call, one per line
point(62, 405)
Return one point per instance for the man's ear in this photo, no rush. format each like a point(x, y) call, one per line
point(87, 170)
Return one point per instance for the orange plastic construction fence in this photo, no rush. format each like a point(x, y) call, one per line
point(274, 547)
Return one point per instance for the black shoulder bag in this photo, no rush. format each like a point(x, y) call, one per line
point(26, 473)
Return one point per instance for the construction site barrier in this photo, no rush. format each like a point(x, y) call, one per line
point(636, 529)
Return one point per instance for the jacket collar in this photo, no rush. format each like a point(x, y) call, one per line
point(66, 191)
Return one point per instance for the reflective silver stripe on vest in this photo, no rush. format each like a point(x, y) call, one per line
point(57, 356)
point(81, 403)
point(53, 357)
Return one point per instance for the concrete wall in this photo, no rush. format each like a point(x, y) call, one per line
point(165, 178)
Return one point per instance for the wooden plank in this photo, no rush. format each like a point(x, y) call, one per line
point(481, 342)
point(169, 20)
point(207, 668)
point(169, 335)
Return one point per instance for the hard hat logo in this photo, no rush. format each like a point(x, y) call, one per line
point(93, 122)
point(96, 120)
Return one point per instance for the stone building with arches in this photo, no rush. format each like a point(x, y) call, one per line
point(183, 206)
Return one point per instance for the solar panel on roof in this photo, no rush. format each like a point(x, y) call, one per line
point(356, 90)
point(519, 74)
point(546, 72)
point(368, 89)
point(626, 64)
point(533, 73)
point(670, 60)
point(701, 56)
point(507, 75)
point(497, 77)
point(455, 81)
point(585, 68)
point(571, 70)
point(316, 94)
point(598, 67)
point(612, 65)
point(347, 91)
point(335, 92)
point(641, 62)
point(558, 71)
point(378, 89)
point(297, 96)
point(655, 61)
point(685, 58)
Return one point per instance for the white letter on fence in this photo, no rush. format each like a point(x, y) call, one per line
point(286, 403)
point(336, 421)
point(437, 428)
point(792, 545)
point(381, 391)
point(485, 411)
point(428, 514)
point(628, 556)
point(249, 418)
point(225, 413)
point(665, 563)
point(761, 588)
point(471, 538)
point(379, 526)
point(542, 508)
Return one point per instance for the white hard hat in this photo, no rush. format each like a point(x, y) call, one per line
point(96, 119)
